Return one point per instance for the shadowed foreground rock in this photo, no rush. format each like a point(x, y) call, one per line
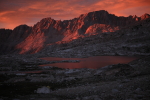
point(120, 82)
point(43, 90)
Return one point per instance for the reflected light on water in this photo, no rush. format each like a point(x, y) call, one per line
point(90, 62)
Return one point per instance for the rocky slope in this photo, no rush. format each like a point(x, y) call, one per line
point(22, 79)
point(24, 39)
point(10, 38)
point(131, 40)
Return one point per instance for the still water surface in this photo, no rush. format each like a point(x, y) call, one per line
point(90, 62)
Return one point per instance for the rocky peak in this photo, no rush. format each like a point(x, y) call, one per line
point(19, 32)
point(134, 16)
point(145, 16)
point(21, 27)
point(44, 23)
point(49, 31)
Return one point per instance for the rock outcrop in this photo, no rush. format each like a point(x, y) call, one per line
point(10, 38)
point(24, 39)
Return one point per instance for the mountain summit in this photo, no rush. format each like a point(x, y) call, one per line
point(24, 39)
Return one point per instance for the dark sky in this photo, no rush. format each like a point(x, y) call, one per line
point(16, 12)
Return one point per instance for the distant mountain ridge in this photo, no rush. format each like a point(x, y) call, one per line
point(24, 39)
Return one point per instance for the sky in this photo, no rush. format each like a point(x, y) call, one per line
point(16, 12)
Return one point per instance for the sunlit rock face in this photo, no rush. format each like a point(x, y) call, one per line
point(100, 28)
point(25, 39)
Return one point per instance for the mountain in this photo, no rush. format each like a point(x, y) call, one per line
point(24, 39)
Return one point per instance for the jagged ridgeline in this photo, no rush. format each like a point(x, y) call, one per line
point(24, 39)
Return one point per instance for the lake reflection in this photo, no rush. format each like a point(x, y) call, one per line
point(90, 62)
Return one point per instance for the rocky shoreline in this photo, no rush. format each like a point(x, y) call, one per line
point(121, 82)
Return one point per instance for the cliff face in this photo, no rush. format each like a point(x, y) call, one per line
point(25, 39)
point(10, 38)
